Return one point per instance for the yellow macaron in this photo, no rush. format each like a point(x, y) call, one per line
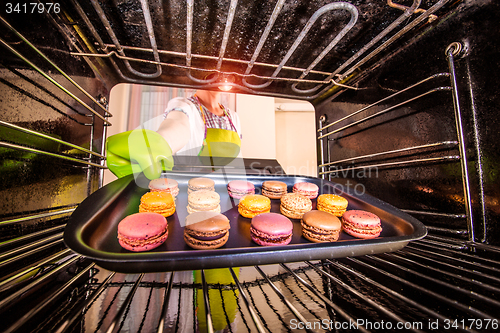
point(332, 203)
point(254, 204)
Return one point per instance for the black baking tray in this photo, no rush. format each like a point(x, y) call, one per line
point(92, 228)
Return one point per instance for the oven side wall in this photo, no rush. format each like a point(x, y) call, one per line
point(52, 124)
point(422, 170)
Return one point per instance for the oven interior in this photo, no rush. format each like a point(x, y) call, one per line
point(405, 95)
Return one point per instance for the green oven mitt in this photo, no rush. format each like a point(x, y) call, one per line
point(136, 151)
point(223, 302)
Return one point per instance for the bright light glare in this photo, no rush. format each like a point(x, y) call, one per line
point(225, 86)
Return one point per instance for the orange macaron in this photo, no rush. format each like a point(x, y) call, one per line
point(158, 202)
point(332, 203)
point(254, 204)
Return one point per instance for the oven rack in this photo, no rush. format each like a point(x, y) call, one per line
point(430, 277)
point(116, 52)
point(56, 68)
point(95, 109)
point(329, 133)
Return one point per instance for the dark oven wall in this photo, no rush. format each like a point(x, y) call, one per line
point(397, 136)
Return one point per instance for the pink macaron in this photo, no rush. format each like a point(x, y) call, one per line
point(361, 224)
point(308, 190)
point(142, 231)
point(239, 188)
point(271, 229)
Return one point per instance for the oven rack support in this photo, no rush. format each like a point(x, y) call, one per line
point(46, 153)
point(329, 167)
point(379, 113)
point(42, 102)
point(48, 137)
point(323, 127)
point(22, 252)
point(52, 80)
point(100, 103)
point(381, 154)
point(453, 50)
point(346, 69)
point(9, 301)
point(51, 212)
point(57, 68)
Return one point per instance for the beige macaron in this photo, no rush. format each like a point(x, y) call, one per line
point(200, 184)
point(203, 201)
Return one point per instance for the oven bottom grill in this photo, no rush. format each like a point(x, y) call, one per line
point(434, 284)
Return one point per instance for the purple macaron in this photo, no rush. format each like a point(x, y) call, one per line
point(271, 229)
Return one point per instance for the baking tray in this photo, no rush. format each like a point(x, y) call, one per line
point(92, 228)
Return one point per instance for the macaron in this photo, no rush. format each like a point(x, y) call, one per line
point(361, 224)
point(253, 204)
point(206, 230)
point(320, 227)
point(164, 185)
point(294, 205)
point(273, 189)
point(199, 184)
point(142, 231)
point(332, 203)
point(203, 201)
point(271, 229)
point(239, 188)
point(309, 190)
point(157, 202)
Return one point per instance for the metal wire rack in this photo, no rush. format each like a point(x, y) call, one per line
point(431, 279)
point(83, 110)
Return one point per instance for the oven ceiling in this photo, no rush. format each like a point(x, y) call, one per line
point(299, 49)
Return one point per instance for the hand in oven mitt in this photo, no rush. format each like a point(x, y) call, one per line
point(138, 150)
